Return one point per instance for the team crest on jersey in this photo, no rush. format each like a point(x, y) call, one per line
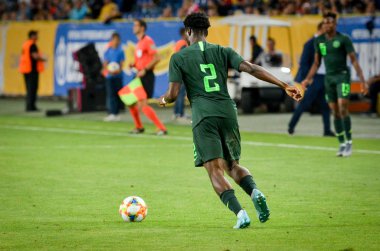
point(336, 44)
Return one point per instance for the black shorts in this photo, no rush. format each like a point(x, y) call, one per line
point(148, 83)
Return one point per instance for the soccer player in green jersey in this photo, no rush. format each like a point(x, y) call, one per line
point(202, 67)
point(334, 47)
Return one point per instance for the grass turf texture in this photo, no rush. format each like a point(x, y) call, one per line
point(62, 181)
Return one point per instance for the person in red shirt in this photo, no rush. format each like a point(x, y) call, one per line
point(146, 57)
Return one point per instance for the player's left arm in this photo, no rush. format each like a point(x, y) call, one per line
point(260, 73)
point(359, 71)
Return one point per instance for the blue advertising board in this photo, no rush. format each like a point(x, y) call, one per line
point(70, 37)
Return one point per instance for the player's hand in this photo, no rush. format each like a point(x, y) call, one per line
point(364, 88)
point(161, 101)
point(141, 73)
point(294, 92)
point(305, 83)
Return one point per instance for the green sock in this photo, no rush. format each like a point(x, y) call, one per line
point(229, 199)
point(248, 184)
point(347, 127)
point(339, 130)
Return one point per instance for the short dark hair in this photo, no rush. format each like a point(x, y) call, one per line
point(253, 38)
point(32, 33)
point(115, 35)
point(198, 22)
point(330, 15)
point(182, 31)
point(141, 23)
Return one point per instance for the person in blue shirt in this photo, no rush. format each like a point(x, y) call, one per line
point(79, 11)
point(114, 75)
point(316, 91)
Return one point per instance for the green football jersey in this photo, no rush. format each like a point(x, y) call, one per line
point(334, 52)
point(203, 67)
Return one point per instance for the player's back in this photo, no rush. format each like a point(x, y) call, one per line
point(203, 68)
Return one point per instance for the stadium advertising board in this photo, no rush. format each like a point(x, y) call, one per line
point(366, 43)
point(16, 35)
point(3, 33)
point(72, 37)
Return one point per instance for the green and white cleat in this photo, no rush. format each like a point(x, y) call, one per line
point(260, 204)
point(243, 220)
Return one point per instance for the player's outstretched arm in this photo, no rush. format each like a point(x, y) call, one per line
point(260, 73)
point(171, 94)
point(359, 71)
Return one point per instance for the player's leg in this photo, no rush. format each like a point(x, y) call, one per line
point(148, 84)
point(332, 99)
point(134, 111)
point(224, 189)
point(244, 179)
point(344, 113)
point(230, 141)
point(209, 153)
point(344, 91)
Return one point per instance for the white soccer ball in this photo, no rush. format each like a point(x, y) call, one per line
point(133, 209)
point(113, 67)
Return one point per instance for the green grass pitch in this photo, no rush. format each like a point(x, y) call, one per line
point(62, 181)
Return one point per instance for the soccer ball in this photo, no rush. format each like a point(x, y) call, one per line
point(133, 209)
point(113, 67)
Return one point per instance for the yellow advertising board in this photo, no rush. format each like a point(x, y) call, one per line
point(17, 33)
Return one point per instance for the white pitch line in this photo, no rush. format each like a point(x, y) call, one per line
point(103, 133)
point(93, 146)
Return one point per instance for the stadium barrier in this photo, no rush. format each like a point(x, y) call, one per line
point(58, 41)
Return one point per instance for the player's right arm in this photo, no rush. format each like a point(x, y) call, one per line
point(262, 74)
point(312, 71)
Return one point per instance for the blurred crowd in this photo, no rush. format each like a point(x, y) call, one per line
point(105, 10)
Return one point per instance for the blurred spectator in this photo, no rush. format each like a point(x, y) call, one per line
point(167, 12)
point(106, 10)
point(272, 57)
point(374, 94)
point(23, 12)
point(109, 11)
point(257, 51)
point(79, 11)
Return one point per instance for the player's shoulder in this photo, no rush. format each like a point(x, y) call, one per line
point(343, 35)
point(148, 39)
point(320, 38)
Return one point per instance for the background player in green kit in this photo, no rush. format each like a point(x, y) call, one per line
point(334, 48)
point(202, 67)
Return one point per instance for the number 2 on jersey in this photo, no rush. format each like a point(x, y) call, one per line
point(208, 78)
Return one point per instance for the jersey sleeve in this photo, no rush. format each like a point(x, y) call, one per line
point(234, 59)
point(175, 73)
point(348, 45)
